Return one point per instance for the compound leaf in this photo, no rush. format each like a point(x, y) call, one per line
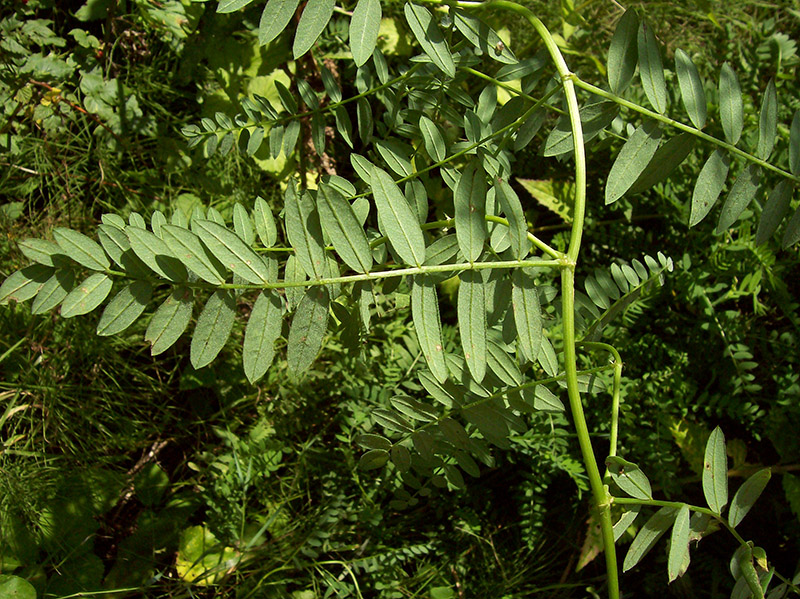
point(425, 314)
point(747, 495)
point(527, 313)
point(648, 536)
point(308, 329)
point(632, 160)
point(651, 69)
point(472, 321)
point(82, 249)
point(430, 37)
point(155, 253)
point(622, 52)
point(187, 247)
point(731, 111)
point(233, 252)
point(399, 222)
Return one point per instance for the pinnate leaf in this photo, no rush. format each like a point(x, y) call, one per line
point(82, 249)
point(170, 320)
point(308, 329)
point(312, 23)
point(694, 98)
point(155, 253)
point(430, 37)
point(747, 495)
point(233, 252)
point(428, 325)
point(188, 248)
point(86, 296)
point(730, 104)
point(709, 185)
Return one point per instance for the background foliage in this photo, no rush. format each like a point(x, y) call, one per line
point(143, 475)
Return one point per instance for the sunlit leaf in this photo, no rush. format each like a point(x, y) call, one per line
point(622, 52)
point(469, 199)
point(25, 283)
point(308, 329)
point(305, 232)
point(472, 321)
point(666, 159)
point(315, 17)
point(155, 253)
point(527, 313)
point(679, 544)
point(747, 495)
point(341, 224)
point(86, 296)
point(428, 325)
point(169, 321)
point(122, 311)
point(715, 472)
point(651, 69)
point(213, 328)
point(265, 223)
point(694, 98)
point(434, 142)
point(517, 225)
point(82, 249)
point(767, 122)
point(730, 104)
point(233, 252)
point(648, 536)
point(480, 35)
point(430, 37)
point(187, 247)
point(399, 222)
point(364, 26)
point(53, 292)
point(629, 477)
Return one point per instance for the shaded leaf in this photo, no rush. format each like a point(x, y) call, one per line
point(794, 145)
point(25, 283)
point(399, 222)
point(343, 228)
point(469, 199)
point(792, 233)
point(122, 311)
point(774, 210)
point(742, 192)
point(155, 253)
point(373, 459)
point(304, 232)
point(666, 159)
point(747, 495)
point(308, 329)
point(527, 313)
point(43, 251)
point(170, 320)
point(187, 247)
point(517, 225)
point(715, 472)
point(265, 223)
point(213, 328)
point(679, 544)
point(767, 121)
point(709, 185)
point(648, 536)
point(594, 119)
point(428, 325)
point(434, 142)
point(263, 329)
point(480, 35)
point(472, 321)
point(53, 291)
point(694, 98)
point(632, 160)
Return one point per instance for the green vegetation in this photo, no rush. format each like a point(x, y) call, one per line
point(387, 300)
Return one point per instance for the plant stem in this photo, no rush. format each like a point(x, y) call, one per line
point(617, 362)
point(599, 492)
point(683, 127)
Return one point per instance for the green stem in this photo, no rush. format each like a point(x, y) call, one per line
point(599, 492)
point(617, 363)
point(683, 127)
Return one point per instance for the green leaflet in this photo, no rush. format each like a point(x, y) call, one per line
point(364, 26)
point(547, 357)
point(25, 283)
point(364, 120)
point(307, 93)
point(679, 544)
point(122, 311)
point(527, 313)
point(731, 111)
point(629, 477)
point(116, 245)
point(156, 220)
point(188, 248)
point(632, 160)
point(213, 328)
point(694, 98)
point(155, 254)
point(343, 228)
point(425, 314)
point(318, 133)
point(651, 69)
point(794, 145)
point(232, 252)
point(417, 198)
point(400, 224)
point(709, 185)
point(308, 329)
point(472, 321)
point(747, 495)
point(287, 99)
point(480, 35)
point(414, 409)
point(767, 122)
point(594, 118)
point(397, 156)
point(625, 521)
point(774, 210)
point(373, 459)
point(648, 536)
point(290, 137)
point(329, 82)
point(170, 320)
point(373, 441)
point(226, 6)
point(242, 224)
point(265, 223)
point(86, 296)
point(666, 159)
point(53, 291)
point(517, 225)
point(304, 232)
point(502, 365)
point(622, 52)
point(430, 37)
point(254, 141)
point(715, 472)
point(312, 23)
point(43, 251)
point(434, 142)
point(82, 249)
point(791, 234)
point(469, 199)
point(343, 125)
point(742, 192)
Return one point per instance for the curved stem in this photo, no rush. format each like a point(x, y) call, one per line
point(617, 363)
